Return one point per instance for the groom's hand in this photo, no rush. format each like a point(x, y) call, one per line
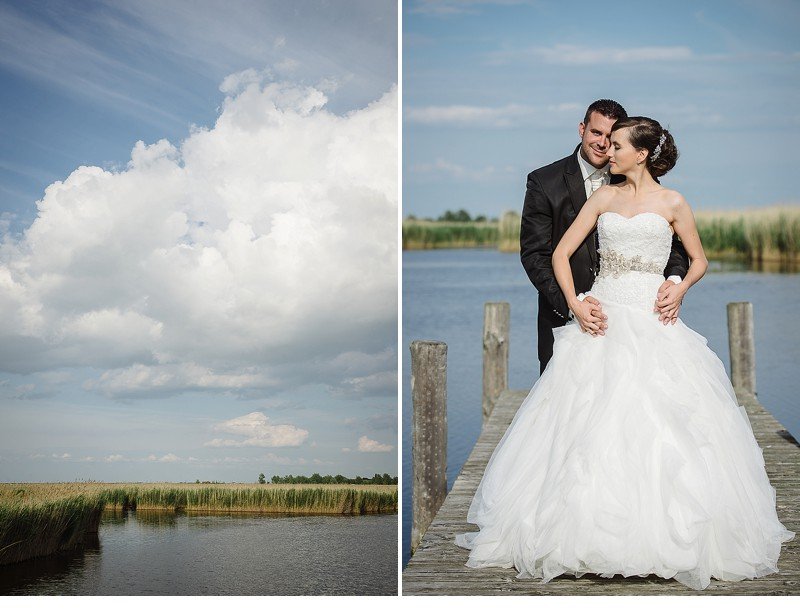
point(668, 302)
point(590, 316)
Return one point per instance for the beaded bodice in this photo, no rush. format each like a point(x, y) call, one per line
point(633, 253)
point(639, 243)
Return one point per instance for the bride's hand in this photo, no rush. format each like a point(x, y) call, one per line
point(668, 301)
point(589, 314)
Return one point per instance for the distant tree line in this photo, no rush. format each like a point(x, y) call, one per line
point(337, 479)
point(462, 215)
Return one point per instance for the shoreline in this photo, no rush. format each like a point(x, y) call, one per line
point(769, 235)
point(721, 256)
point(42, 518)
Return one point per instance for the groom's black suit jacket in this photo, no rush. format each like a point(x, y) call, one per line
point(554, 196)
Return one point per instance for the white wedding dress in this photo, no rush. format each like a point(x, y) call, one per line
point(630, 455)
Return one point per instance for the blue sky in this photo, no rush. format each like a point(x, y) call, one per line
point(188, 288)
point(494, 89)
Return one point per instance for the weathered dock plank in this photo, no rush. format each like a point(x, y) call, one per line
point(437, 566)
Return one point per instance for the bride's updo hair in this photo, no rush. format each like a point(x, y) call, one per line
point(645, 134)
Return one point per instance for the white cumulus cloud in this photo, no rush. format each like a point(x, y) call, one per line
point(258, 431)
point(168, 458)
point(366, 445)
point(240, 259)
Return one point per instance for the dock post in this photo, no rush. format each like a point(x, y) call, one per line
point(496, 316)
point(741, 339)
point(429, 430)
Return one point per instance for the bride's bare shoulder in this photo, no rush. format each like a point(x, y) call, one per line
point(602, 197)
point(675, 203)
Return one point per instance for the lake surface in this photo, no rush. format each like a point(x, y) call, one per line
point(443, 296)
point(160, 553)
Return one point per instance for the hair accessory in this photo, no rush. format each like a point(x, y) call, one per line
point(657, 151)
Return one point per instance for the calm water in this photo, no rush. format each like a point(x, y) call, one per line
point(166, 554)
point(443, 296)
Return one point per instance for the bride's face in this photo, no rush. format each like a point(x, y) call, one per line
point(622, 156)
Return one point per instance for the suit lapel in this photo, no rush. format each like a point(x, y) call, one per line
point(577, 193)
point(574, 179)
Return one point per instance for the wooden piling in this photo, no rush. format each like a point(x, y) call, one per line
point(741, 340)
point(429, 430)
point(496, 322)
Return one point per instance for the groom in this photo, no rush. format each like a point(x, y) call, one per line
point(554, 196)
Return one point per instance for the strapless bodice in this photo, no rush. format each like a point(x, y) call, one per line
point(633, 254)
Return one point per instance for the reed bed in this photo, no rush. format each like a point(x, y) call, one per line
point(32, 525)
point(423, 234)
point(273, 498)
point(277, 498)
point(40, 519)
point(759, 235)
point(508, 232)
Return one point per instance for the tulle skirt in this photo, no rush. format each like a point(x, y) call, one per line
point(629, 456)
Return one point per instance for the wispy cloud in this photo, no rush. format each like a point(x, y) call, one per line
point(448, 8)
point(379, 383)
point(502, 116)
point(373, 422)
point(573, 55)
point(78, 66)
point(140, 380)
point(449, 169)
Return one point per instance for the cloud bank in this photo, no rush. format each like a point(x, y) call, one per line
point(246, 258)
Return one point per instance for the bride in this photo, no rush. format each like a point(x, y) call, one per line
point(631, 454)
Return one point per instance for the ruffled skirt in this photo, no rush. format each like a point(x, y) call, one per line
point(629, 456)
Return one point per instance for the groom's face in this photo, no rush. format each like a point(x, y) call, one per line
point(596, 138)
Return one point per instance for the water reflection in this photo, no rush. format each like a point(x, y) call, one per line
point(163, 553)
point(154, 518)
point(16, 578)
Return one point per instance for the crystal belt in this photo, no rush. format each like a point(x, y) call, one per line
point(615, 264)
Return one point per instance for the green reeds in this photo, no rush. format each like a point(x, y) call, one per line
point(768, 234)
point(757, 235)
point(420, 234)
point(28, 530)
point(279, 499)
point(509, 232)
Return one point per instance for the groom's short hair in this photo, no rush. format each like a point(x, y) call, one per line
point(608, 108)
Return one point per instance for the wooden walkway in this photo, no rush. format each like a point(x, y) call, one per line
point(437, 566)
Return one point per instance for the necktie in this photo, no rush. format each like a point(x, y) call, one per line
point(597, 179)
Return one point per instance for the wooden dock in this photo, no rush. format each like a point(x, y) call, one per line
point(437, 565)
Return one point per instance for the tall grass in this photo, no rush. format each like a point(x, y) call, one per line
point(39, 519)
point(508, 232)
point(273, 498)
point(768, 234)
point(423, 234)
point(41, 527)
